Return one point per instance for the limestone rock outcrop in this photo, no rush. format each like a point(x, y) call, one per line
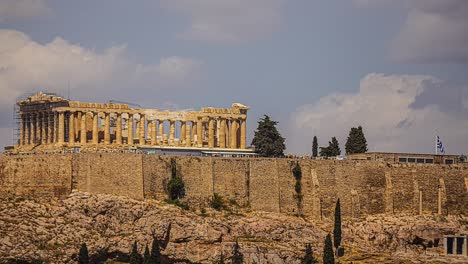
point(53, 231)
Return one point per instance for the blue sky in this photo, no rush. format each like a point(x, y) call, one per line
point(399, 68)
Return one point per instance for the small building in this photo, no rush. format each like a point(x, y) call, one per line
point(456, 245)
point(406, 158)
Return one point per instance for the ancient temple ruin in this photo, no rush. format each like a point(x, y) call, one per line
point(49, 121)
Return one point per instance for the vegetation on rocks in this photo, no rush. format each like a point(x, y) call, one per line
point(176, 185)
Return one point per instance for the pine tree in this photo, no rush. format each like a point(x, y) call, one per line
point(314, 147)
point(237, 257)
point(135, 257)
point(147, 256)
point(267, 140)
point(356, 142)
point(332, 150)
point(309, 256)
point(337, 229)
point(83, 257)
point(328, 257)
point(155, 252)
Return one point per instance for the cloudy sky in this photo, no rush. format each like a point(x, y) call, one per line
point(399, 68)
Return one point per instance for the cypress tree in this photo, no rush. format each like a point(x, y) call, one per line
point(314, 147)
point(155, 252)
point(83, 257)
point(337, 229)
point(135, 257)
point(332, 150)
point(309, 256)
point(147, 256)
point(328, 257)
point(267, 140)
point(237, 257)
point(221, 259)
point(356, 142)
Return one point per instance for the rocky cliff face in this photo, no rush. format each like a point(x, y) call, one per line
point(53, 231)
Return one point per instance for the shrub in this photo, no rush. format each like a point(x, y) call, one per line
point(217, 202)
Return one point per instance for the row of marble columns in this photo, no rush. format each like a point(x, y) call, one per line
point(86, 127)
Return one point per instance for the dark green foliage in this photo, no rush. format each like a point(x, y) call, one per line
point(147, 256)
point(309, 256)
point(135, 257)
point(83, 257)
point(332, 150)
point(314, 147)
point(217, 202)
point(37, 261)
point(175, 186)
point(237, 257)
point(267, 140)
point(337, 229)
point(155, 256)
point(178, 203)
point(221, 259)
point(297, 172)
point(356, 142)
point(328, 257)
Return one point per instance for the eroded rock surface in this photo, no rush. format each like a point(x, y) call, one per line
point(53, 231)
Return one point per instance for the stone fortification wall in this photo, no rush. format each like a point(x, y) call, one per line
point(364, 187)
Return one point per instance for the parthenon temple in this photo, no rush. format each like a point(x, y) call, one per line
point(50, 120)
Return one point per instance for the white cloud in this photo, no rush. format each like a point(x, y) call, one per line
point(27, 66)
point(22, 9)
point(394, 112)
point(228, 21)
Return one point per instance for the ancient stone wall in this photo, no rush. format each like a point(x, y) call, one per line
point(364, 187)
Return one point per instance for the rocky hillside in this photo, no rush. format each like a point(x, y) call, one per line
point(53, 231)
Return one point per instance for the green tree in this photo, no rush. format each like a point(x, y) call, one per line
point(217, 202)
point(356, 142)
point(155, 255)
point(135, 257)
point(328, 257)
point(314, 147)
point(176, 185)
point(267, 140)
point(147, 256)
point(309, 256)
point(337, 229)
point(83, 257)
point(237, 257)
point(332, 150)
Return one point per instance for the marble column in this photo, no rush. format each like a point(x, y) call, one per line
point(130, 129)
point(153, 135)
point(171, 130)
point(222, 133)
point(71, 128)
point(233, 133)
point(43, 128)
point(106, 128)
point(141, 135)
point(182, 131)
point(118, 129)
point(56, 127)
point(199, 132)
point(78, 124)
point(61, 127)
point(50, 128)
point(194, 132)
point(188, 142)
point(96, 128)
point(22, 130)
point(243, 132)
point(27, 133)
point(83, 129)
point(38, 128)
point(228, 125)
point(211, 133)
point(161, 130)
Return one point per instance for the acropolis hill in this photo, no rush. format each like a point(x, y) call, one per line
point(45, 166)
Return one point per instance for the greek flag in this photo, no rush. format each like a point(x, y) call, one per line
point(440, 147)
